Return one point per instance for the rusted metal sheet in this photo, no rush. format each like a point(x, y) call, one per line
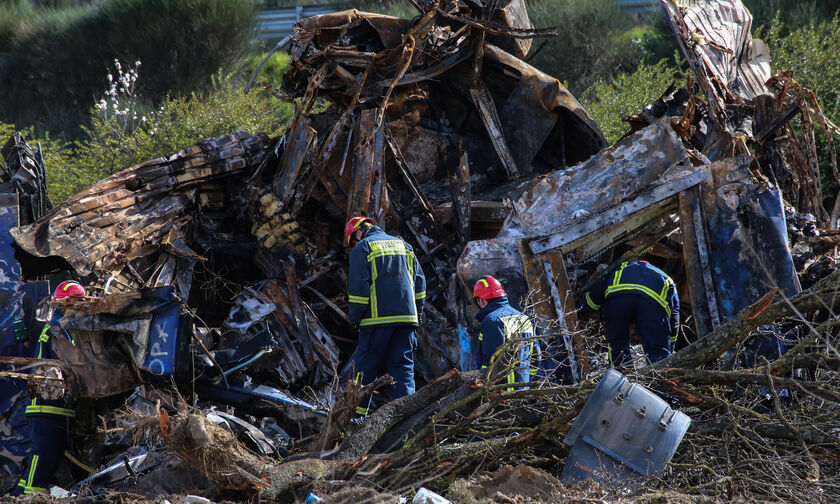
point(558, 200)
point(459, 185)
point(490, 116)
point(367, 166)
point(97, 228)
point(513, 15)
point(297, 142)
point(619, 214)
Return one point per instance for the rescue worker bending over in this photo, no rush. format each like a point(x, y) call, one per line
point(642, 293)
point(499, 323)
point(48, 417)
point(387, 291)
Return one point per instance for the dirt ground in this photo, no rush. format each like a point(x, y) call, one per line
point(519, 484)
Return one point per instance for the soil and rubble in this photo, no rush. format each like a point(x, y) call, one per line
point(211, 355)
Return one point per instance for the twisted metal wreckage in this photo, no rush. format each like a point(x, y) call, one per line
point(217, 269)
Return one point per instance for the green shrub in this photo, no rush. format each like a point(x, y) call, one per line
point(812, 53)
point(115, 142)
point(626, 94)
point(272, 72)
point(591, 44)
point(180, 42)
point(50, 70)
point(794, 14)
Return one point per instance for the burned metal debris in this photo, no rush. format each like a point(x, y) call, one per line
point(217, 277)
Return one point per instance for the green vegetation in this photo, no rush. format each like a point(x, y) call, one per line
point(593, 43)
point(794, 14)
point(120, 136)
point(52, 58)
point(812, 53)
point(626, 94)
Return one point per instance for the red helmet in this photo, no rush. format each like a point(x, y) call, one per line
point(353, 224)
point(488, 288)
point(67, 289)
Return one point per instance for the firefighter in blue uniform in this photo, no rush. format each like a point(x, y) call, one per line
point(387, 292)
point(642, 293)
point(501, 322)
point(48, 418)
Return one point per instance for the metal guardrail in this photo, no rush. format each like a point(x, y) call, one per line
point(635, 6)
point(277, 23)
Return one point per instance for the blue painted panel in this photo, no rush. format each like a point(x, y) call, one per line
point(13, 443)
point(749, 251)
point(162, 348)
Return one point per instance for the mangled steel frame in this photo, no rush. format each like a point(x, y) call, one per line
point(413, 102)
point(727, 206)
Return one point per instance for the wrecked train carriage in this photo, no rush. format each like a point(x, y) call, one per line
point(169, 236)
point(719, 230)
point(152, 243)
point(414, 138)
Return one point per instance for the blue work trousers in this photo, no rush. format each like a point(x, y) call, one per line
point(48, 435)
point(652, 325)
point(385, 350)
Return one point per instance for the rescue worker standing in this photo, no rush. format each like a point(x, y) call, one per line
point(387, 292)
point(499, 323)
point(48, 417)
point(642, 293)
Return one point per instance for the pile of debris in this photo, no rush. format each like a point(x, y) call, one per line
point(218, 279)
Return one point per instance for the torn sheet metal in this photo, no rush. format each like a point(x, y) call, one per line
point(24, 174)
point(651, 156)
point(513, 15)
point(738, 241)
point(100, 228)
point(716, 39)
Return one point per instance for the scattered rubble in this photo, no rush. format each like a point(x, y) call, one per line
point(215, 339)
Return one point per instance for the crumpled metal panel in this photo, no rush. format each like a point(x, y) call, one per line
point(749, 253)
point(538, 109)
point(100, 228)
point(513, 15)
point(716, 39)
point(616, 174)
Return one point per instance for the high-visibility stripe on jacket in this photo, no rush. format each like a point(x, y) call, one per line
point(499, 323)
point(638, 278)
point(40, 406)
point(387, 286)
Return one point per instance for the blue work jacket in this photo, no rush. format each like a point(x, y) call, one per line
point(638, 278)
point(500, 322)
point(387, 286)
point(44, 350)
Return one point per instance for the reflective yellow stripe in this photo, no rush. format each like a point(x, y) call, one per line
point(511, 378)
point(45, 335)
point(32, 467)
point(359, 376)
point(79, 463)
point(420, 295)
point(51, 410)
point(359, 300)
point(484, 283)
point(361, 411)
point(674, 338)
point(592, 304)
point(410, 319)
point(668, 282)
point(642, 288)
point(483, 367)
point(374, 309)
point(480, 336)
point(375, 255)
